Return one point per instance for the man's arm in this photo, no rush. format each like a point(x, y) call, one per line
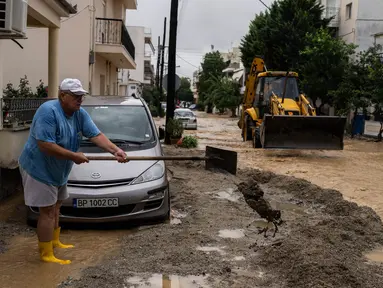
point(91, 132)
point(52, 149)
point(104, 143)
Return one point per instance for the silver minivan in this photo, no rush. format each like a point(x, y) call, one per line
point(108, 191)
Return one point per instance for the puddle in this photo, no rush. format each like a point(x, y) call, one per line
point(176, 217)
point(261, 224)
point(209, 249)
point(167, 281)
point(233, 234)
point(175, 221)
point(375, 255)
point(21, 265)
point(228, 195)
point(13, 207)
point(239, 258)
point(288, 207)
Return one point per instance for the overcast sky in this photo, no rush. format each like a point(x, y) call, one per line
point(201, 23)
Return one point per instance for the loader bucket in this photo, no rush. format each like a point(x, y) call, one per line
point(303, 132)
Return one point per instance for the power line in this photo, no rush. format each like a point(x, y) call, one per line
point(78, 13)
point(264, 4)
point(186, 61)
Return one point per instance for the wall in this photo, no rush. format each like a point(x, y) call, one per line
point(106, 69)
point(33, 59)
point(347, 26)
point(138, 37)
point(75, 47)
point(370, 21)
point(371, 128)
point(367, 19)
point(11, 145)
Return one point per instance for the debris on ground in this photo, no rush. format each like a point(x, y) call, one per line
point(321, 243)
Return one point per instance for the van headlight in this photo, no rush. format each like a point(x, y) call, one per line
point(155, 172)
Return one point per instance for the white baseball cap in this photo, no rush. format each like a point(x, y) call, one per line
point(72, 85)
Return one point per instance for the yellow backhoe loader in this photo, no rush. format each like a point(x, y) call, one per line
point(276, 116)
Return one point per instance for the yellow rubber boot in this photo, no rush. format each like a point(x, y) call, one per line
point(56, 240)
point(46, 254)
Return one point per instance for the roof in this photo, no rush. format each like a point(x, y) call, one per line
point(67, 6)
point(112, 100)
point(237, 74)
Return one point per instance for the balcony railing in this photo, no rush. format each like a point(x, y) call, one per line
point(19, 112)
point(113, 31)
point(330, 12)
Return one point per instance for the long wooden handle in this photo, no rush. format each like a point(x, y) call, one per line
point(140, 158)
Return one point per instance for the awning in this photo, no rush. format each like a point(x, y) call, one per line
point(237, 75)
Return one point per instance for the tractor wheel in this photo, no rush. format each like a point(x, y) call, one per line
point(249, 124)
point(257, 139)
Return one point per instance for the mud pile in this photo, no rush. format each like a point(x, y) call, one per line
point(325, 248)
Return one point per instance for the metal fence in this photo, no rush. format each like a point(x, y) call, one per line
point(113, 31)
point(332, 12)
point(19, 112)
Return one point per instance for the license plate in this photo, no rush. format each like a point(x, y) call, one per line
point(95, 203)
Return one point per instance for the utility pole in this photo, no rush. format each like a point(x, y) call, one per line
point(158, 63)
point(172, 65)
point(163, 58)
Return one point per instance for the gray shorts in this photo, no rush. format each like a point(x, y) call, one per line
point(38, 194)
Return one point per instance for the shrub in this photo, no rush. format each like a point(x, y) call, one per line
point(189, 142)
point(175, 128)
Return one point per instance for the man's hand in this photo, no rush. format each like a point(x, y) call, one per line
point(121, 156)
point(79, 158)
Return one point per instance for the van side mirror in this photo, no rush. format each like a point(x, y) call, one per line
point(162, 133)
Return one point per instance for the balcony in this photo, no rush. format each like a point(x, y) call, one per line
point(148, 38)
point(148, 73)
point(130, 4)
point(332, 12)
point(113, 42)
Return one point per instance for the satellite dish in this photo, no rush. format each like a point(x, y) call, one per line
point(165, 82)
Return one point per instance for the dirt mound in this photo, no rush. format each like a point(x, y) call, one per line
point(324, 249)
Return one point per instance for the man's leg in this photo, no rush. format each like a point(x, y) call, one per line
point(37, 194)
point(45, 223)
point(57, 229)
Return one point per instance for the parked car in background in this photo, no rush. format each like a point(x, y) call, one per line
point(187, 117)
point(193, 107)
point(108, 191)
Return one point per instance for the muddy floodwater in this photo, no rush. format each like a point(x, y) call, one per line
point(355, 171)
point(324, 241)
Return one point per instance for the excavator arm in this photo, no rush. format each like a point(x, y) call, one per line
point(257, 66)
point(276, 106)
point(306, 108)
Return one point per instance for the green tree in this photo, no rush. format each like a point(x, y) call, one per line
point(324, 62)
point(184, 93)
point(360, 83)
point(376, 84)
point(224, 94)
point(152, 96)
point(212, 66)
point(279, 34)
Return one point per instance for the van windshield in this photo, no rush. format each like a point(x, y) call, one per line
point(122, 123)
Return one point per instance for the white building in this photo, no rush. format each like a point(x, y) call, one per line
point(358, 22)
point(234, 55)
point(144, 72)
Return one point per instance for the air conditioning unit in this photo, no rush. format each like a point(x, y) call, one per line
point(13, 19)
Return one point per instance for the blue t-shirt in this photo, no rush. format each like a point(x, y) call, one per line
point(51, 124)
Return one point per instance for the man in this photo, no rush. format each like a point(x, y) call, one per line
point(48, 156)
